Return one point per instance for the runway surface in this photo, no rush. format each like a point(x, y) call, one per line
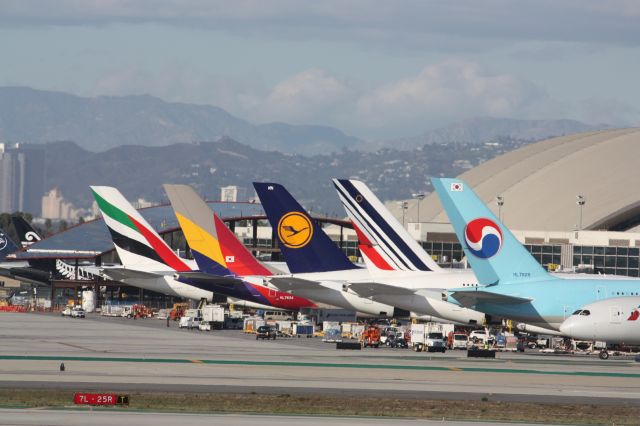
point(106, 418)
point(114, 354)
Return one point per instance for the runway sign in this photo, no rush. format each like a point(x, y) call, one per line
point(100, 399)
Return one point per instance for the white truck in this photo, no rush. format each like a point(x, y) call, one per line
point(212, 317)
point(191, 319)
point(480, 337)
point(430, 337)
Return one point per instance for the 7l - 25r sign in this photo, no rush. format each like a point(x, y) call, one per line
point(100, 399)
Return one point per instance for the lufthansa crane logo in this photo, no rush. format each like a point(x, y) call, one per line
point(295, 230)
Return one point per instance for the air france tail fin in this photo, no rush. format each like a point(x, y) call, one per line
point(496, 256)
point(7, 246)
point(215, 248)
point(384, 242)
point(27, 233)
point(138, 245)
point(306, 248)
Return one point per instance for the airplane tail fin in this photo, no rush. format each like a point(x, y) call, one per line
point(27, 233)
point(215, 248)
point(496, 256)
point(306, 248)
point(383, 241)
point(138, 245)
point(7, 246)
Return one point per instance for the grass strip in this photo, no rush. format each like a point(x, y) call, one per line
point(325, 405)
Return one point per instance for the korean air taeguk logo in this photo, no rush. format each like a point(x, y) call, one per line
point(483, 237)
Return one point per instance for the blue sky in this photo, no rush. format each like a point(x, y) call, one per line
point(375, 69)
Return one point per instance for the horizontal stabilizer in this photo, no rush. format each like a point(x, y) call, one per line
point(120, 274)
point(368, 289)
point(201, 278)
point(470, 299)
point(293, 284)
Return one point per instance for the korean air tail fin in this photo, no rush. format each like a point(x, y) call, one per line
point(384, 242)
point(215, 248)
point(496, 256)
point(7, 246)
point(305, 246)
point(26, 232)
point(138, 245)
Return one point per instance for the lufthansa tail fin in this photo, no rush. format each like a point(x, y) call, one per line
point(496, 256)
point(305, 246)
point(384, 242)
point(215, 248)
point(27, 233)
point(138, 245)
point(7, 246)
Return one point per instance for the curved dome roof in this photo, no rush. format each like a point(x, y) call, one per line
point(540, 182)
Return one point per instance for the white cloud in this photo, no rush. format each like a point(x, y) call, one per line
point(440, 93)
point(448, 91)
point(312, 96)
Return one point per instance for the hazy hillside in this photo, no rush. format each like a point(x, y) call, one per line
point(140, 171)
point(101, 123)
point(485, 129)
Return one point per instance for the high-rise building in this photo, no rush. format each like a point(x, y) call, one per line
point(54, 206)
point(21, 178)
point(229, 193)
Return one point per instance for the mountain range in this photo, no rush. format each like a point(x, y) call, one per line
point(105, 122)
point(485, 129)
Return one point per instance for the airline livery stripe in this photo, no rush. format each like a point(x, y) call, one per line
point(361, 221)
point(368, 250)
point(385, 228)
point(163, 250)
point(125, 230)
point(382, 244)
point(358, 222)
point(113, 212)
point(129, 244)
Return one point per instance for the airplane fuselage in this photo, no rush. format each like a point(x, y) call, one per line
point(614, 320)
point(554, 300)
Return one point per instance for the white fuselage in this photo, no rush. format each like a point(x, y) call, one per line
point(426, 298)
point(615, 320)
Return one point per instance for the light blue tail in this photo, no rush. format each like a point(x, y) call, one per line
point(495, 255)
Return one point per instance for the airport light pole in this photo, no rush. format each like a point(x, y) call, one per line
point(580, 201)
point(500, 203)
point(403, 205)
point(419, 196)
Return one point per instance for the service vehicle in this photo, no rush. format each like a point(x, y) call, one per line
point(189, 322)
point(480, 337)
point(435, 342)
point(396, 339)
point(371, 337)
point(430, 336)
point(77, 312)
point(458, 341)
point(386, 332)
point(212, 317)
point(266, 332)
point(278, 315)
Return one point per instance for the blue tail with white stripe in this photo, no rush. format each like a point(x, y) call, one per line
point(495, 255)
point(306, 248)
